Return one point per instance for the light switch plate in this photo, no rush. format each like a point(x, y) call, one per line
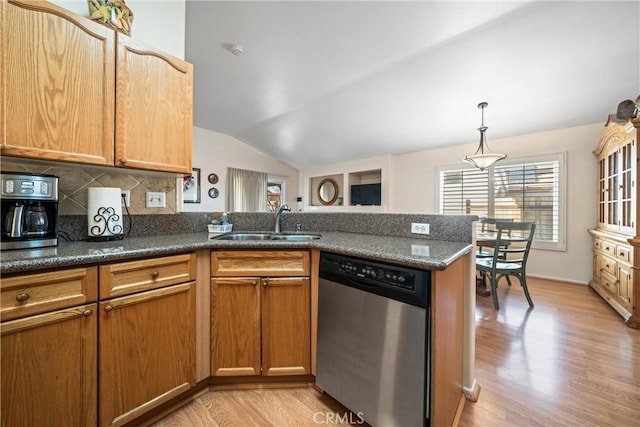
point(156, 199)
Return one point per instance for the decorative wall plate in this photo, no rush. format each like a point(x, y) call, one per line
point(213, 178)
point(213, 192)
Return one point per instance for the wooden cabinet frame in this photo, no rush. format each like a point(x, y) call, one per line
point(616, 246)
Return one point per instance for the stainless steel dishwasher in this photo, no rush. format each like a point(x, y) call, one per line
point(373, 339)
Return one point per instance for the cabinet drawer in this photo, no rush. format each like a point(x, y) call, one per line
point(29, 294)
point(259, 263)
point(597, 243)
point(623, 253)
point(609, 282)
point(608, 265)
point(125, 278)
point(607, 247)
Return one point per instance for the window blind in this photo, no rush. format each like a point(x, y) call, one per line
point(523, 191)
point(529, 192)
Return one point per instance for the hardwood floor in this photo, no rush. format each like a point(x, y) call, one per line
point(569, 361)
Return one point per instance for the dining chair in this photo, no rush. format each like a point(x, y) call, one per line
point(513, 242)
point(488, 225)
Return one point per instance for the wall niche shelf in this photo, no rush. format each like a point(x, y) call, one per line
point(365, 188)
point(327, 190)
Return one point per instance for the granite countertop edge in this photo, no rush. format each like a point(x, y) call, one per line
point(415, 252)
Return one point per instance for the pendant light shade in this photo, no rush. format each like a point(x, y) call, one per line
point(483, 157)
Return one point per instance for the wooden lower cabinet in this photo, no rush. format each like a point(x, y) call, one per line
point(261, 325)
point(147, 348)
point(286, 328)
point(49, 368)
point(49, 348)
point(235, 326)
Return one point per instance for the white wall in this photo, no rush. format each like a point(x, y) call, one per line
point(213, 152)
point(382, 163)
point(412, 181)
point(158, 23)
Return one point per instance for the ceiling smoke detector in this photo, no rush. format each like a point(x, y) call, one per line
point(236, 49)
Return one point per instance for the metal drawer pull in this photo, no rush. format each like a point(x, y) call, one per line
point(621, 254)
point(22, 297)
point(155, 274)
point(108, 308)
point(255, 282)
point(265, 282)
point(87, 313)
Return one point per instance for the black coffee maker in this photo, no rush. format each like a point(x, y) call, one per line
point(29, 210)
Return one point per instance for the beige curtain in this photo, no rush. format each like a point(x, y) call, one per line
point(246, 191)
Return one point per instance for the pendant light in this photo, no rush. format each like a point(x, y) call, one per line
point(483, 157)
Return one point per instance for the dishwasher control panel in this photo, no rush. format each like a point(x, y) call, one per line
point(386, 274)
point(399, 282)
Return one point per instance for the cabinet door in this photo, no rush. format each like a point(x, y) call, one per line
point(235, 326)
point(58, 93)
point(49, 368)
point(625, 286)
point(154, 109)
point(627, 189)
point(286, 326)
point(147, 351)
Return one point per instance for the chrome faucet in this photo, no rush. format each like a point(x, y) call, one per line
point(278, 214)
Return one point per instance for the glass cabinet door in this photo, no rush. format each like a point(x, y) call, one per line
point(612, 190)
point(627, 187)
point(616, 189)
point(602, 194)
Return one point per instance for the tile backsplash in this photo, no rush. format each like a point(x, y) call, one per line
point(74, 181)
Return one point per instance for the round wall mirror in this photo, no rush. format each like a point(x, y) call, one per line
point(327, 191)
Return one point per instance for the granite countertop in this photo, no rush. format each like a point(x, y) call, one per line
point(421, 253)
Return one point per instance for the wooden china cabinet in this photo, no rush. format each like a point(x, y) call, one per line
point(616, 238)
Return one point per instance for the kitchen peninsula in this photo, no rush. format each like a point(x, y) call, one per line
point(183, 264)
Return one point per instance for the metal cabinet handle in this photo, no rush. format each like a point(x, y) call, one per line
point(155, 274)
point(22, 297)
point(123, 161)
point(265, 282)
point(87, 313)
point(255, 282)
point(108, 308)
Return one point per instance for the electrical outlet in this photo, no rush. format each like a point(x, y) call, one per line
point(156, 199)
point(419, 228)
point(126, 197)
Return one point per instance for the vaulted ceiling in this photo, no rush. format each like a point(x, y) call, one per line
point(321, 82)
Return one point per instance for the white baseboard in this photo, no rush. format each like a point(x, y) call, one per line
point(558, 279)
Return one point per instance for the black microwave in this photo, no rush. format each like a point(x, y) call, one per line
point(366, 194)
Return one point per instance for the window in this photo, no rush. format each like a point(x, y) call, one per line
point(530, 189)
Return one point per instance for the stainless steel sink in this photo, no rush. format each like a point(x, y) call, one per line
point(295, 237)
point(278, 237)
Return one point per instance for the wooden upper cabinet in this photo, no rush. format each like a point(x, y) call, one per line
point(72, 90)
point(59, 85)
point(154, 109)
